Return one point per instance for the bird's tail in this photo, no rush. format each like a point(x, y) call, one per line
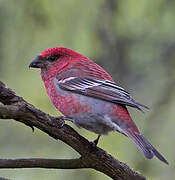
point(145, 147)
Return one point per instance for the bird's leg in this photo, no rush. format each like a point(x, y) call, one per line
point(96, 140)
point(67, 118)
point(57, 121)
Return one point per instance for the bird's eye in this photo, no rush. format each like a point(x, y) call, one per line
point(52, 58)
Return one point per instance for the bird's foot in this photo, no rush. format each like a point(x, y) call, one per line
point(57, 122)
point(66, 118)
point(95, 142)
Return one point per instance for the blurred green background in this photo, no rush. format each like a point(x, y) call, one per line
point(133, 40)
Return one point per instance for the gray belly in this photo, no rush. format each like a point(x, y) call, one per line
point(93, 122)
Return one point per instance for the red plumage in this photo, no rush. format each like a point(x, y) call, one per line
point(83, 91)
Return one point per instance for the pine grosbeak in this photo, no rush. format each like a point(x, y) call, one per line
point(85, 93)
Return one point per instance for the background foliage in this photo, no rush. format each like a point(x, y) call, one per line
point(133, 40)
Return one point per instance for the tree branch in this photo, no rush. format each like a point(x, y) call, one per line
point(43, 163)
point(17, 108)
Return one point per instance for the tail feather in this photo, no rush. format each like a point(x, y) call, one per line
point(155, 152)
point(145, 147)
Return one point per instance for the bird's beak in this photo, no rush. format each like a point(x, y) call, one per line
point(37, 63)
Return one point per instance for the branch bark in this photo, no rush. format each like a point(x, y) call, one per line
point(15, 107)
point(43, 163)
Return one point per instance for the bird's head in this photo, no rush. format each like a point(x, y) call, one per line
point(54, 57)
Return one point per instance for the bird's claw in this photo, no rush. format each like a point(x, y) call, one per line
point(57, 122)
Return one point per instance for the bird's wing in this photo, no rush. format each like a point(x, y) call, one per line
point(101, 89)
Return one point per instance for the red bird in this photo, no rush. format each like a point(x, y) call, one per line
point(86, 94)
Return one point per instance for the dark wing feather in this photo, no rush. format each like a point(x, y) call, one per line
point(101, 89)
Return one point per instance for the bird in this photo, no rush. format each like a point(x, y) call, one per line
point(88, 96)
